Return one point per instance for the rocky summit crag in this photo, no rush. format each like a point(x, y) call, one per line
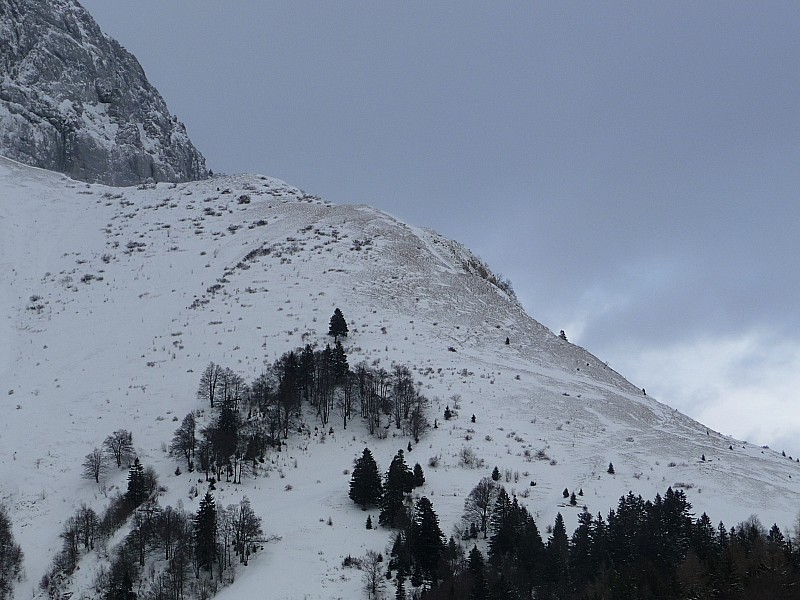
point(73, 100)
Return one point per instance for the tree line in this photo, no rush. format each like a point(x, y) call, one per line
point(641, 549)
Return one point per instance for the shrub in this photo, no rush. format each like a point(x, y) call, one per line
point(467, 457)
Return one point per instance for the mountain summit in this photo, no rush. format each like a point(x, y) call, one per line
point(73, 100)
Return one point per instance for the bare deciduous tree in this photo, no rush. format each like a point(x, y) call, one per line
point(418, 423)
point(208, 383)
point(479, 504)
point(10, 557)
point(88, 524)
point(120, 445)
point(246, 528)
point(94, 465)
point(184, 441)
point(372, 565)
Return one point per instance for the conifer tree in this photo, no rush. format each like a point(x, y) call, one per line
point(338, 325)
point(428, 546)
point(582, 565)
point(475, 565)
point(558, 555)
point(338, 358)
point(502, 527)
point(502, 589)
point(399, 481)
point(529, 550)
point(137, 487)
point(419, 476)
point(365, 483)
point(205, 532)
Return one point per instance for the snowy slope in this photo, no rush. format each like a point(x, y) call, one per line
point(113, 300)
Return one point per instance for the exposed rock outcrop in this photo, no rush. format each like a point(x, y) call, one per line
point(73, 100)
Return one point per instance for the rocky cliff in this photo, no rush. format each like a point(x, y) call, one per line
point(73, 100)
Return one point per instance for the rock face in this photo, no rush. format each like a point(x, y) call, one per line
point(73, 100)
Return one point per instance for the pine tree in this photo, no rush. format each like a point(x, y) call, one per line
point(428, 546)
point(205, 532)
point(399, 481)
point(529, 551)
point(475, 566)
point(581, 557)
point(610, 470)
point(501, 526)
point(558, 554)
point(338, 325)
point(502, 589)
point(496, 474)
point(137, 488)
point(419, 476)
point(365, 483)
point(339, 365)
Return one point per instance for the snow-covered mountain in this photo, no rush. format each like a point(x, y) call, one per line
point(73, 100)
point(112, 301)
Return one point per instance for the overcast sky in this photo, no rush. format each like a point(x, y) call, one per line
point(633, 168)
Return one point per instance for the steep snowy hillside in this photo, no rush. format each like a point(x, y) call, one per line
point(112, 301)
